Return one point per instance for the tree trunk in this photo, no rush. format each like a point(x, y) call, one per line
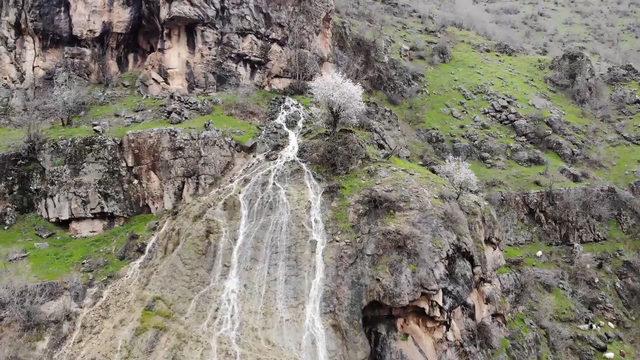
point(335, 120)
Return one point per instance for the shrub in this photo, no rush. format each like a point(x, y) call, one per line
point(459, 175)
point(340, 97)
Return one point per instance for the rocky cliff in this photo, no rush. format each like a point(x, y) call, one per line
point(178, 45)
point(88, 181)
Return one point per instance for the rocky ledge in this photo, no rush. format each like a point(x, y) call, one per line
point(95, 181)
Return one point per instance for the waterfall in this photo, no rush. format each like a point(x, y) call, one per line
point(264, 296)
point(262, 271)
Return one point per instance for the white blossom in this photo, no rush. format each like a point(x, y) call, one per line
point(341, 97)
point(459, 174)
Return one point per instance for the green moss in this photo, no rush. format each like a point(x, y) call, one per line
point(563, 306)
point(503, 270)
point(438, 243)
point(152, 320)
point(518, 323)
point(65, 253)
point(350, 185)
point(413, 268)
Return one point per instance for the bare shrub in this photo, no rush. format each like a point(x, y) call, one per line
point(20, 304)
point(243, 105)
point(69, 96)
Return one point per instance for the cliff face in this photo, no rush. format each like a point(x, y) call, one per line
point(91, 181)
point(179, 45)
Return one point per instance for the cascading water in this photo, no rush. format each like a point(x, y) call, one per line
point(265, 300)
point(247, 286)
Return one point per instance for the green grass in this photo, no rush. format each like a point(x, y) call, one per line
point(616, 241)
point(10, 137)
point(422, 172)
point(241, 131)
point(65, 253)
point(527, 254)
point(513, 252)
point(563, 306)
point(617, 345)
point(517, 177)
point(624, 165)
point(126, 103)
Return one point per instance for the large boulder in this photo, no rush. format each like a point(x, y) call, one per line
point(574, 72)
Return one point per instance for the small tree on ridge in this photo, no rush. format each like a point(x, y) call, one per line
point(341, 97)
point(459, 175)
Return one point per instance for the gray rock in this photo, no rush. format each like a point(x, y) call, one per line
point(574, 72)
point(17, 256)
point(44, 233)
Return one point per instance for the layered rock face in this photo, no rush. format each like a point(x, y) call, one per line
point(417, 275)
point(180, 45)
point(81, 180)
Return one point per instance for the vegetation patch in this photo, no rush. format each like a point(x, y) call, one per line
point(563, 306)
point(63, 253)
point(350, 186)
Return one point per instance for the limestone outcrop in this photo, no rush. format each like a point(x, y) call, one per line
point(177, 45)
point(81, 180)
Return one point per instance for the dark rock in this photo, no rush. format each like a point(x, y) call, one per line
point(565, 216)
point(572, 174)
point(44, 233)
point(505, 48)
point(132, 249)
point(621, 74)
point(574, 72)
point(594, 342)
point(17, 256)
point(92, 265)
point(385, 127)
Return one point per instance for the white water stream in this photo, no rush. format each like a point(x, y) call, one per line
point(264, 297)
point(264, 292)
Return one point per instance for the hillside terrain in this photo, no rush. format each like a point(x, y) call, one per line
point(173, 186)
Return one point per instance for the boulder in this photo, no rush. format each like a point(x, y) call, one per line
point(574, 72)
